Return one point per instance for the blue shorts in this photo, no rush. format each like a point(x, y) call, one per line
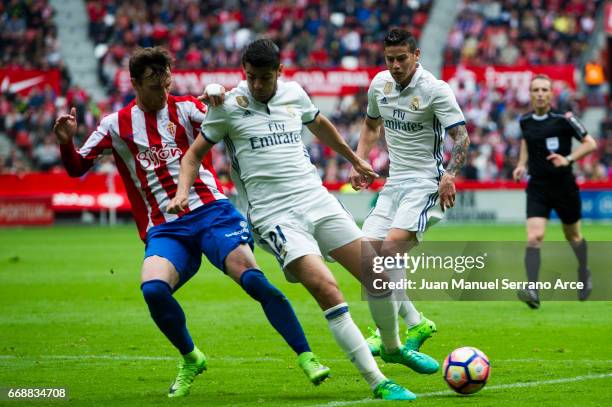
point(214, 229)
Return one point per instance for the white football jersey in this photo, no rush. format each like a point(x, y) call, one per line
point(415, 120)
point(270, 165)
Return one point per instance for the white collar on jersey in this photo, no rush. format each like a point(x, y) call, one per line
point(414, 80)
point(252, 98)
point(539, 118)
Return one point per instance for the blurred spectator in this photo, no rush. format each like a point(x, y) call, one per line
point(519, 32)
point(594, 79)
point(46, 156)
point(28, 36)
point(211, 34)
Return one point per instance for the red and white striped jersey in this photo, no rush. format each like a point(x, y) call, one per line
point(148, 147)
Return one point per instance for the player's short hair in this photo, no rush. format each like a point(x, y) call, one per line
point(262, 53)
point(399, 36)
point(158, 59)
point(541, 76)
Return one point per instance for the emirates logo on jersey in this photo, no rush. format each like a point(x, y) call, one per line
point(155, 156)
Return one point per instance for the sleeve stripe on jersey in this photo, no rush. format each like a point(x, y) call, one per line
point(104, 143)
point(314, 118)
point(455, 125)
point(232, 151)
point(207, 139)
point(437, 153)
point(578, 127)
point(373, 118)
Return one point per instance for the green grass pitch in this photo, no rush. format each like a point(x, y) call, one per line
point(73, 316)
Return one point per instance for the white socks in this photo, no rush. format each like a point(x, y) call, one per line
point(405, 307)
point(409, 313)
point(384, 313)
point(352, 342)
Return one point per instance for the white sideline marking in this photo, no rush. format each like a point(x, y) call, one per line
point(346, 402)
point(488, 388)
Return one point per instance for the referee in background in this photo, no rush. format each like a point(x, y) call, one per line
point(546, 149)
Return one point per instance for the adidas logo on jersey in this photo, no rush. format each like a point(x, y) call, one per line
point(247, 113)
point(383, 100)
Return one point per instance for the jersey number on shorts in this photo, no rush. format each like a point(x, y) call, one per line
point(276, 241)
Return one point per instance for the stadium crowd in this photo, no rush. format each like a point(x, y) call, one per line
point(28, 40)
point(212, 34)
point(521, 32)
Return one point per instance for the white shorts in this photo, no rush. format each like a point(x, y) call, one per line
point(413, 205)
point(318, 226)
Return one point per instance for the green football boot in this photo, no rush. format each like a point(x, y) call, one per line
point(417, 361)
point(389, 390)
point(315, 371)
point(418, 334)
point(374, 342)
point(190, 366)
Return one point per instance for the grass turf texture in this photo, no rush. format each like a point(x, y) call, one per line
point(73, 317)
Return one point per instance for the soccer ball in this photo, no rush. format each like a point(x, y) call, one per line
point(466, 370)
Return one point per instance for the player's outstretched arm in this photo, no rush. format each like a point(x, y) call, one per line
point(325, 131)
point(521, 167)
point(447, 191)
point(190, 163)
point(370, 133)
point(65, 128)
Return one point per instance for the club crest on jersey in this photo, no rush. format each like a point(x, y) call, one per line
point(155, 156)
point(171, 128)
point(388, 88)
point(414, 104)
point(242, 101)
point(291, 111)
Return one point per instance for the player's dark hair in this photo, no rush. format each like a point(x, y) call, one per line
point(398, 36)
point(262, 53)
point(541, 76)
point(156, 58)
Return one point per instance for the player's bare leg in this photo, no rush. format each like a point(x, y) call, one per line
point(242, 267)
point(319, 281)
point(357, 258)
point(419, 328)
point(579, 245)
point(159, 277)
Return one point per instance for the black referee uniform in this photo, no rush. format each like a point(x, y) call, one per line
point(551, 187)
